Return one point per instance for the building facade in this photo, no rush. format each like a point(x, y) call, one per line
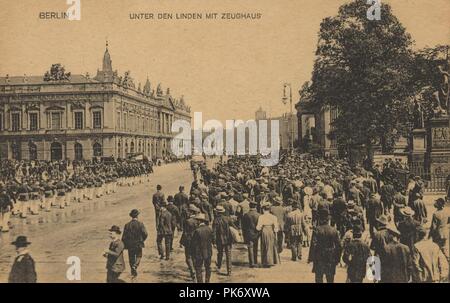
point(62, 116)
point(288, 127)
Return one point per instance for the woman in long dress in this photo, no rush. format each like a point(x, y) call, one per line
point(268, 226)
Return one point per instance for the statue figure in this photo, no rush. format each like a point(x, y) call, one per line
point(56, 73)
point(159, 91)
point(418, 115)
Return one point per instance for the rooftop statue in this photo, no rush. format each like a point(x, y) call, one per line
point(56, 73)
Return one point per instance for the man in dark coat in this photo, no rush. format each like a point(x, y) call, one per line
point(374, 211)
point(338, 212)
point(419, 208)
point(201, 247)
point(157, 200)
point(6, 206)
point(115, 263)
point(396, 261)
point(134, 235)
point(181, 198)
point(223, 237)
point(164, 231)
point(176, 218)
point(408, 228)
point(189, 227)
point(387, 193)
point(355, 255)
point(325, 251)
point(381, 237)
point(23, 269)
point(250, 234)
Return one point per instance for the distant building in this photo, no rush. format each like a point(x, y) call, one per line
point(288, 127)
point(62, 116)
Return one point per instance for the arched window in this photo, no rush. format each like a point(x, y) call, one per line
point(119, 150)
point(132, 147)
point(126, 148)
point(78, 151)
point(97, 147)
point(56, 151)
point(32, 150)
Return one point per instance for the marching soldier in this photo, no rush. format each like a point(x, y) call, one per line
point(23, 269)
point(24, 197)
point(157, 200)
point(6, 205)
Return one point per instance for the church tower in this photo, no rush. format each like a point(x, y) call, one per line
point(106, 74)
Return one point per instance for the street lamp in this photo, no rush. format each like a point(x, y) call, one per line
point(284, 99)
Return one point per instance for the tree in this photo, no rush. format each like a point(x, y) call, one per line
point(361, 68)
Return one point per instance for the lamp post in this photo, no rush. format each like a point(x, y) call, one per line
point(284, 99)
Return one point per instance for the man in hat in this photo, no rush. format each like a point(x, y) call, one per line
point(430, 264)
point(381, 237)
point(188, 230)
point(134, 235)
point(250, 234)
point(223, 238)
point(396, 261)
point(181, 198)
point(157, 200)
point(326, 249)
point(6, 206)
point(408, 228)
point(374, 211)
point(23, 269)
point(164, 231)
point(355, 256)
point(115, 263)
point(399, 202)
point(296, 228)
point(439, 226)
point(201, 248)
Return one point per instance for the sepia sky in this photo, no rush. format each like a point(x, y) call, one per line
point(224, 68)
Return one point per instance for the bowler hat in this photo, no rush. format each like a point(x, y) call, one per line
point(21, 241)
point(115, 229)
point(134, 213)
point(324, 213)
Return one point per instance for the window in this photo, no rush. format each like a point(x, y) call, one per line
point(125, 121)
point(118, 121)
point(15, 122)
point(97, 119)
point(97, 149)
point(1, 122)
point(78, 151)
point(55, 120)
point(33, 121)
point(79, 120)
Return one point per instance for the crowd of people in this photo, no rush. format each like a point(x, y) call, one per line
point(342, 215)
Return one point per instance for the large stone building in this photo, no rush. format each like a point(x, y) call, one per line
point(63, 116)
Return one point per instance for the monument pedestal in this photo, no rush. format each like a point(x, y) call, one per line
point(418, 151)
point(440, 146)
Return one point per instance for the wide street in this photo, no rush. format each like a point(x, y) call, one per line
point(82, 230)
